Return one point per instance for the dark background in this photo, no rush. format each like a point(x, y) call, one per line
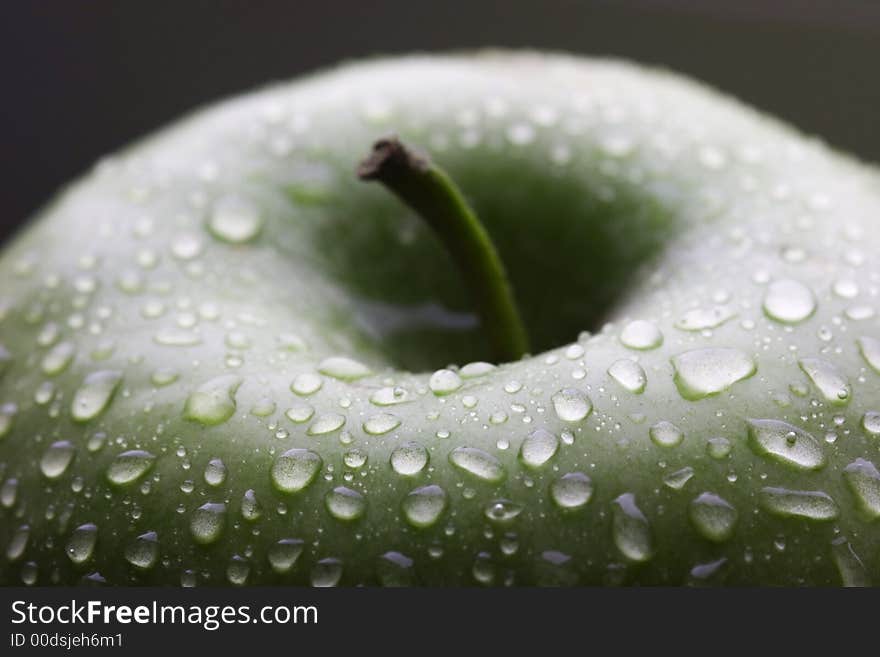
point(81, 78)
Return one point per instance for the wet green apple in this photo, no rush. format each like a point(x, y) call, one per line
point(228, 360)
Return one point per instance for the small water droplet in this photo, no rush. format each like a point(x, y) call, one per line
point(58, 358)
point(678, 479)
point(444, 382)
point(129, 466)
point(235, 219)
point(572, 491)
point(94, 395)
point(326, 573)
point(215, 472)
point(143, 552)
point(343, 368)
point(863, 480)
point(295, 469)
point(57, 458)
point(850, 567)
point(251, 509)
point(871, 423)
point(718, 448)
point(327, 423)
point(870, 350)
point(284, 554)
point(18, 543)
point(786, 443)
point(538, 448)
point(306, 384)
point(213, 402)
point(703, 372)
point(381, 423)
point(629, 375)
point(208, 522)
point(665, 434)
point(701, 319)
point(300, 413)
point(409, 458)
point(345, 504)
point(478, 463)
point(808, 504)
point(828, 380)
point(81, 544)
point(423, 506)
point(641, 334)
point(713, 517)
point(502, 510)
point(476, 369)
point(238, 570)
point(572, 405)
point(789, 301)
point(631, 530)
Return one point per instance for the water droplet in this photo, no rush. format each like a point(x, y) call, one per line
point(326, 573)
point(444, 382)
point(215, 472)
point(863, 480)
point(235, 219)
point(641, 334)
point(143, 552)
point(870, 350)
point(409, 458)
point(718, 448)
point(9, 493)
point(395, 569)
point(342, 368)
point(263, 407)
point(251, 509)
point(502, 510)
point(186, 246)
point(8, 412)
point(789, 301)
point(538, 448)
point(389, 395)
point(678, 479)
point(828, 380)
point(238, 570)
point(345, 504)
point(163, 377)
point(214, 401)
point(871, 423)
point(476, 369)
point(284, 554)
point(18, 543)
point(327, 423)
point(701, 319)
point(81, 544)
point(703, 372)
point(306, 383)
point(572, 405)
point(423, 506)
point(850, 567)
point(631, 531)
point(295, 469)
point(713, 517)
point(300, 413)
point(478, 463)
point(355, 458)
point(94, 395)
point(572, 491)
point(207, 522)
point(665, 434)
point(809, 504)
point(130, 466)
point(172, 336)
point(56, 459)
point(785, 443)
point(58, 358)
point(381, 423)
point(483, 569)
point(629, 374)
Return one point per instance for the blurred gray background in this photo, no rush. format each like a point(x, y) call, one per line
point(84, 77)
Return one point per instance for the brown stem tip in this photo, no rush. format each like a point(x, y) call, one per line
point(389, 157)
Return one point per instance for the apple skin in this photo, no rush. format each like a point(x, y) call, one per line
point(614, 193)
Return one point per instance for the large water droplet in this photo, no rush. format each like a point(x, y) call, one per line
point(572, 491)
point(235, 219)
point(56, 459)
point(81, 544)
point(327, 423)
point(789, 301)
point(306, 383)
point(58, 358)
point(641, 334)
point(863, 480)
point(631, 530)
point(251, 509)
point(678, 479)
point(214, 401)
point(713, 517)
point(665, 434)
point(785, 443)
point(502, 510)
point(94, 395)
point(215, 472)
point(423, 506)
point(389, 396)
point(538, 448)
point(572, 405)
point(444, 382)
point(295, 469)
point(381, 423)
point(809, 504)
point(130, 466)
point(871, 423)
point(143, 552)
point(238, 570)
point(828, 380)
point(703, 372)
point(207, 522)
point(478, 463)
point(409, 458)
point(9, 493)
point(476, 369)
point(284, 554)
point(343, 368)
point(629, 374)
point(345, 504)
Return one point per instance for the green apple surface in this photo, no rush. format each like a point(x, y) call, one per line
point(226, 360)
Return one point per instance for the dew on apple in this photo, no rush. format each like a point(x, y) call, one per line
point(863, 480)
point(284, 554)
point(251, 509)
point(215, 472)
point(188, 579)
point(44, 393)
point(630, 529)
point(444, 382)
point(295, 469)
point(478, 463)
point(849, 566)
point(208, 522)
point(354, 458)
point(8, 412)
point(29, 573)
point(235, 219)
point(326, 423)
point(173, 336)
point(870, 350)
point(789, 301)
point(9, 493)
point(871, 423)
point(343, 368)
point(49, 334)
point(389, 396)
point(512, 387)
point(81, 544)
point(629, 375)
point(186, 246)
point(538, 448)
point(143, 551)
point(498, 417)
point(57, 458)
point(833, 385)
point(483, 570)
point(213, 402)
point(785, 443)
point(807, 504)
point(475, 370)
point(700, 373)
point(238, 570)
point(701, 319)
point(18, 543)
point(409, 458)
point(326, 573)
point(423, 506)
point(395, 569)
point(299, 413)
point(573, 490)
point(129, 466)
point(163, 377)
point(572, 405)
point(263, 407)
point(718, 447)
point(642, 335)
point(679, 478)
point(502, 510)
point(94, 395)
point(665, 434)
point(381, 423)
point(58, 358)
point(713, 517)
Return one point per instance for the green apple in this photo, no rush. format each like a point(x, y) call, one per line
point(227, 360)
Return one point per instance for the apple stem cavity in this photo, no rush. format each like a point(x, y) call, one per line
point(428, 189)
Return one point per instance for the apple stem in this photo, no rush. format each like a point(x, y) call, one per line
point(428, 190)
